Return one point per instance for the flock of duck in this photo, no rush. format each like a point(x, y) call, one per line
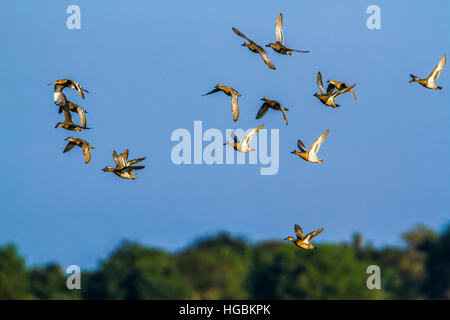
point(125, 168)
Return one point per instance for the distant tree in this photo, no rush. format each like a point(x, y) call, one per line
point(135, 272)
point(49, 282)
point(13, 274)
point(437, 285)
point(404, 268)
point(217, 267)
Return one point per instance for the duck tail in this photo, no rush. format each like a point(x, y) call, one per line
point(413, 78)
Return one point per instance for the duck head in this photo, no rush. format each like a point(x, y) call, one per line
point(289, 238)
point(108, 169)
point(59, 124)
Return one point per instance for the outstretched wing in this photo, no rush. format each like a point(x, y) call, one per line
point(330, 89)
point(338, 93)
point(299, 232)
point(234, 137)
point(316, 144)
point(437, 70)
point(301, 146)
point(212, 91)
point(116, 158)
point(279, 29)
point(86, 154)
point(79, 88)
point(131, 162)
point(250, 135)
point(234, 106)
point(240, 34)
point(123, 159)
point(67, 116)
point(311, 235)
point(266, 59)
point(69, 146)
point(81, 113)
point(263, 110)
point(320, 83)
point(283, 110)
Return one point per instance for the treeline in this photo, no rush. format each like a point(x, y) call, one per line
point(226, 267)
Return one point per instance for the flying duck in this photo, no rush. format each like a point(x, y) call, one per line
point(234, 94)
point(278, 46)
point(124, 168)
point(341, 85)
point(328, 97)
point(252, 46)
point(72, 107)
point(243, 146)
point(66, 83)
point(304, 241)
point(83, 144)
point(272, 104)
point(68, 123)
point(311, 154)
point(430, 81)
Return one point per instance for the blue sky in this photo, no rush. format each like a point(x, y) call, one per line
point(146, 64)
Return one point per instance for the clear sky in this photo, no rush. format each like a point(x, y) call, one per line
point(146, 64)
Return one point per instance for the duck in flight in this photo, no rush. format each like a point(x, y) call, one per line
point(430, 81)
point(68, 123)
point(271, 104)
point(304, 241)
point(72, 107)
point(340, 86)
point(310, 155)
point(124, 168)
point(243, 146)
point(252, 46)
point(328, 97)
point(66, 83)
point(278, 46)
point(83, 144)
point(234, 94)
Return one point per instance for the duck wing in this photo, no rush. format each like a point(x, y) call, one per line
point(263, 110)
point(131, 162)
point(240, 34)
point(234, 137)
point(301, 146)
point(69, 146)
point(212, 91)
point(234, 106)
point(77, 87)
point(320, 83)
point(67, 116)
point(299, 232)
point(279, 29)
point(250, 135)
point(283, 110)
point(311, 235)
point(116, 158)
point(86, 153)
point(264, 56)
point(316, 144)
point(330, 89)
point(339, 92)
point(437, 70)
